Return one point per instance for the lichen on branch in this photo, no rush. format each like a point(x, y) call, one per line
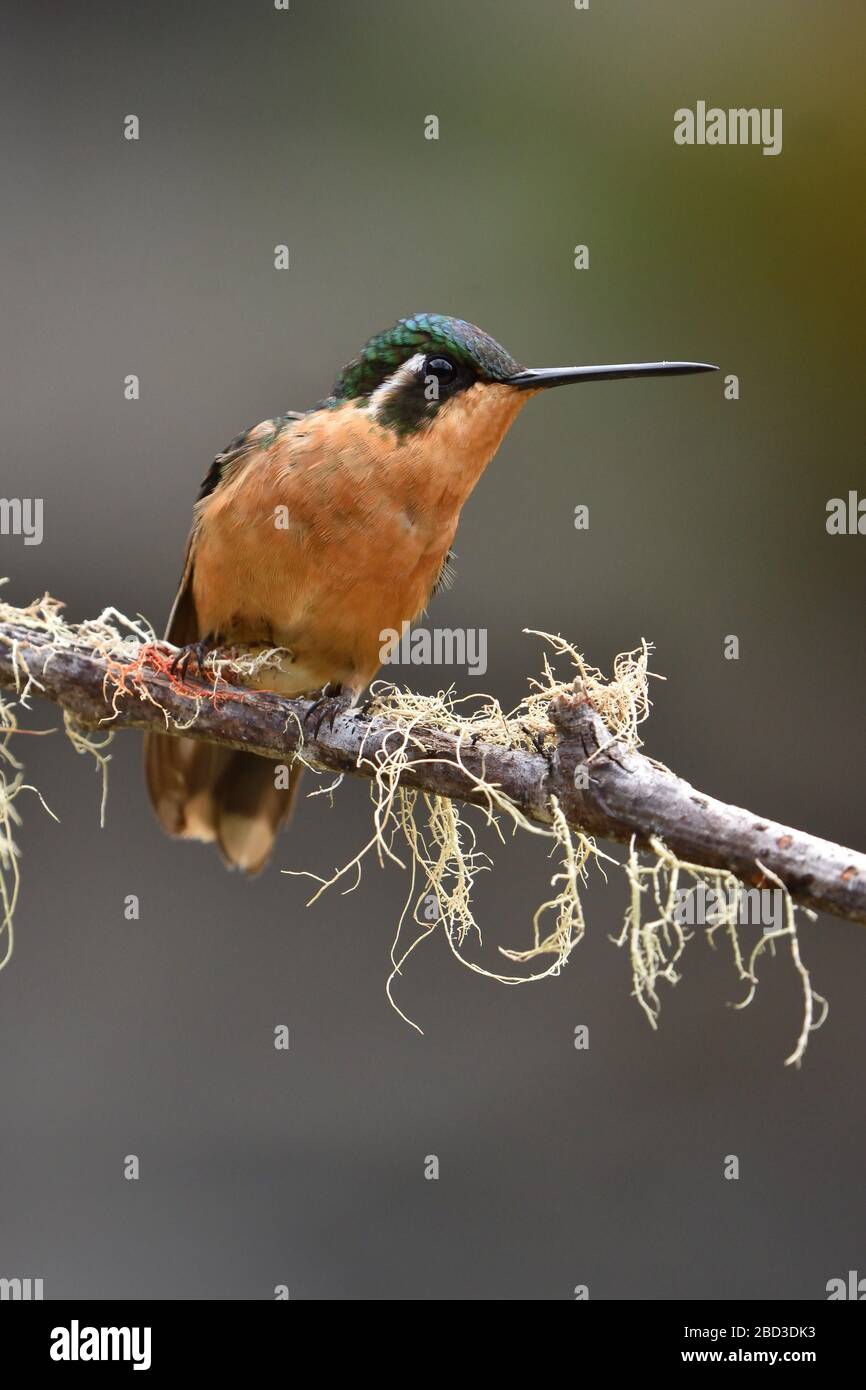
point(565, 765)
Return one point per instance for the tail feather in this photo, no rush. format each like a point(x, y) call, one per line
point(202, 792)
point(250, 809)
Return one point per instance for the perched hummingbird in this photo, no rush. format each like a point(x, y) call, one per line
point(318, 531)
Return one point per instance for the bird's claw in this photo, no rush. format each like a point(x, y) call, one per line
point(326, 709)
point(194, 652)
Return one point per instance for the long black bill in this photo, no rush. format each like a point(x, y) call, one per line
point(538, 378)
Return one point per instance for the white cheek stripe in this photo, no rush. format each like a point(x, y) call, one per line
point(406, 372)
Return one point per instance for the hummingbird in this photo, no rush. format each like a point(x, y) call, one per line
point(317, 531)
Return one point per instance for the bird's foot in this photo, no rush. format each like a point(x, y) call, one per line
point(325, 710)
point(194, 652)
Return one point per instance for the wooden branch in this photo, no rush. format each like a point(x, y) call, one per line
point(627, 794)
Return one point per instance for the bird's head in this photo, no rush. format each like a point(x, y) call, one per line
point(445, 377)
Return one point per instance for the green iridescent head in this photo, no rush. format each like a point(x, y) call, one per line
point(427, 335)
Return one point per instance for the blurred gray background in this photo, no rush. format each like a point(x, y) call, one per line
point(259, 127)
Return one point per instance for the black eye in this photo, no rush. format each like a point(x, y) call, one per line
point(442, 369)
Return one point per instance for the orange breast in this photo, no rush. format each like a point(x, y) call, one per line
point(337, 531)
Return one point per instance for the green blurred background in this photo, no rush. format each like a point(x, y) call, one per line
point(306, 127)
